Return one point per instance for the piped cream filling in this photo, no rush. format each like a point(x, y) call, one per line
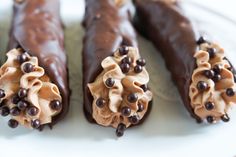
point(40, 89)
point(216, 90)
point(116, 96)
point(120, 3)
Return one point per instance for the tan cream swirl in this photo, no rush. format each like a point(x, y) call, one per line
point(215, 93)
point(120, 3)
point(116, 96)
point(40, 89)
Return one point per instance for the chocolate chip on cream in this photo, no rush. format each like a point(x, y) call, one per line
point(28, 91)
point(123, 98)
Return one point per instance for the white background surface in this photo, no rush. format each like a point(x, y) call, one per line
point(168, 132)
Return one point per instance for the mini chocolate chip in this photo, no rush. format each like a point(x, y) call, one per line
point(210, 119)
point(110, 82)
point(28, 67)
point(35, 124)
point(55, 105)
point(3, 103)
point(234, 78)
point(141, 62)
point(140, 107)
point(209, 105)
point(22, 58)
point(15, 111)
point(134, 119)
point(144, 87)
point(216, 78)
point(120, 130)
point(225, 118)
point(123, 50)
point(22, 93)
point(127, 60)
point(125, 67)
point(217, 69)
point(125, 111)
point(209, 73)
point(4, 111)
point(15, 99)
point(32, 111)
point(2, 93)
point(22, 105)
point(201, 40)
point(13, 123)
point(97, 16)
point(230, 69)
point(138, 69)
point(199, 120)
point(100, 102)
point(229, 92)
point(201, 85)
point(133, 97)
point(212, 52)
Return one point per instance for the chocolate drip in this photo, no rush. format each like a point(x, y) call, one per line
point(37, 28)
point(171, 33)
point(107, 27)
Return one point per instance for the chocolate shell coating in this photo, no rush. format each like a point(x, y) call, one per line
point(171, 33)
point(107, 27)
point(37, 28)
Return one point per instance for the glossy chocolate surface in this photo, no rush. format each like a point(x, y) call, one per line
point(172, 33)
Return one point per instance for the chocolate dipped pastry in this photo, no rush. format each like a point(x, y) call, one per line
point(114, 75)
point(202, 73)
point(34, 89)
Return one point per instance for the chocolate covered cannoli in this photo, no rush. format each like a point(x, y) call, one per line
point(34, 89)
point(114, 76)
point(203, 75)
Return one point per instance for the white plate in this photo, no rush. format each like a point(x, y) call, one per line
point(169, 130)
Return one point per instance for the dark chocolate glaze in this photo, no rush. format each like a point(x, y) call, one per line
point(172, 33)
point(37, 28)
point(107, 27)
